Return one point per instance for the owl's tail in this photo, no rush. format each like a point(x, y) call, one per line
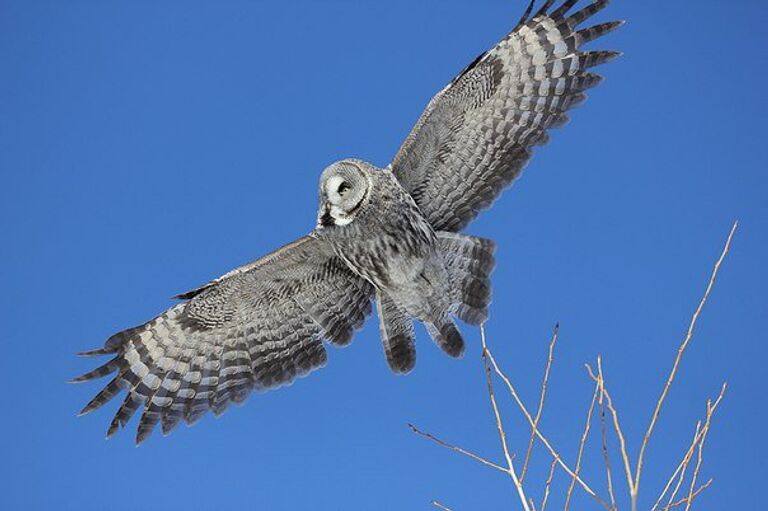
point(469, 261)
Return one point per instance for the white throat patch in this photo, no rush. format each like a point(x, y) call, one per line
point(339, 217)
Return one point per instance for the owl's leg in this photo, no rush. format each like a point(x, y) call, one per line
point(396, 329)
point(469, 262)
point(446, 335)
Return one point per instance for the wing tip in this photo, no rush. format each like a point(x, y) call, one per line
point(589, 34)
point(526, 15)
point(88, 408)
point(113, 428)
point(613, 25)
point(96, 352)
point(97, 373)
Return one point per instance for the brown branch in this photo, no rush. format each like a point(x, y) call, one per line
point(686, 459)
point(604, 434)
point(455, 448)
point(700, 456)
point(692, 496)
point(582, 443)
point(542, 395)
point(500, 425)
point(539, 435)
point(603, 397)
point(686, 462)
point(678, 358)
point(699, 459)
point(548, 484)
point(616, 422)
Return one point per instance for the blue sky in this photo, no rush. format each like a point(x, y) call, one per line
point(146, 147)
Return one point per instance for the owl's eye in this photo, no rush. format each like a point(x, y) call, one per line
point(343, 188)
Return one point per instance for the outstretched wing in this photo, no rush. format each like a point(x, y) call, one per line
point(258, 327)
point(477, 134)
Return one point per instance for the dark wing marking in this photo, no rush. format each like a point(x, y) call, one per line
point(477, 134)
point(257, 327)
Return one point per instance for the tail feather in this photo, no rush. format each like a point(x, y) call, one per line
point(469, 261)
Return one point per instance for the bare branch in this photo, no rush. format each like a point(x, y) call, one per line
point(500, 425)
point(582, 443)
point(681, 466)
point(700, 457)
point(686, 462)
point(604, 433)
point(539, 435)
point(691, 497)
point(602, 396)
point(542, 395)
point(548, 484)
point(616, 423)
point(678, 358)
point(455, 448)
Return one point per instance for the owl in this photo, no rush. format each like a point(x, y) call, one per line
point(389, 236)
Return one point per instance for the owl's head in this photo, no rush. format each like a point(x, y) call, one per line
point(344, 188)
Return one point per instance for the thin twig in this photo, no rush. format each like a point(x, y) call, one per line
point(539, 435)
point(700, 456)
point(615, 417)
point(458, 449)
point(604, 433)
point(548, 484)
point(542, 395)
point(678, 358)
point(699, 459)
point(686, 462)
point(582, 443)
point(691, 497)
point(710, 413)
point(500, 425)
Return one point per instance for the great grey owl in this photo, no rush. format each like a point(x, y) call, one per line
point(385, 235)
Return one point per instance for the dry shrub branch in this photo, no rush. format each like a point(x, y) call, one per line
point(684, 478)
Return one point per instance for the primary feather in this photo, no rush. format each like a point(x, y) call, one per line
point(477, 134)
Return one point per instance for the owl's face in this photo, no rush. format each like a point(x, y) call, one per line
point(344, 188)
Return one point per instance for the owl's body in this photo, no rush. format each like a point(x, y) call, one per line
point(391, 236)
point(388, 242)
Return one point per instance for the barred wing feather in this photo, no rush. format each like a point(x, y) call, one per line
point(477, 134)
point(256, 328)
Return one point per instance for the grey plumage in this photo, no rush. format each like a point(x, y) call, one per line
point(397, 335)
point(389, 235)
point(477, 134)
